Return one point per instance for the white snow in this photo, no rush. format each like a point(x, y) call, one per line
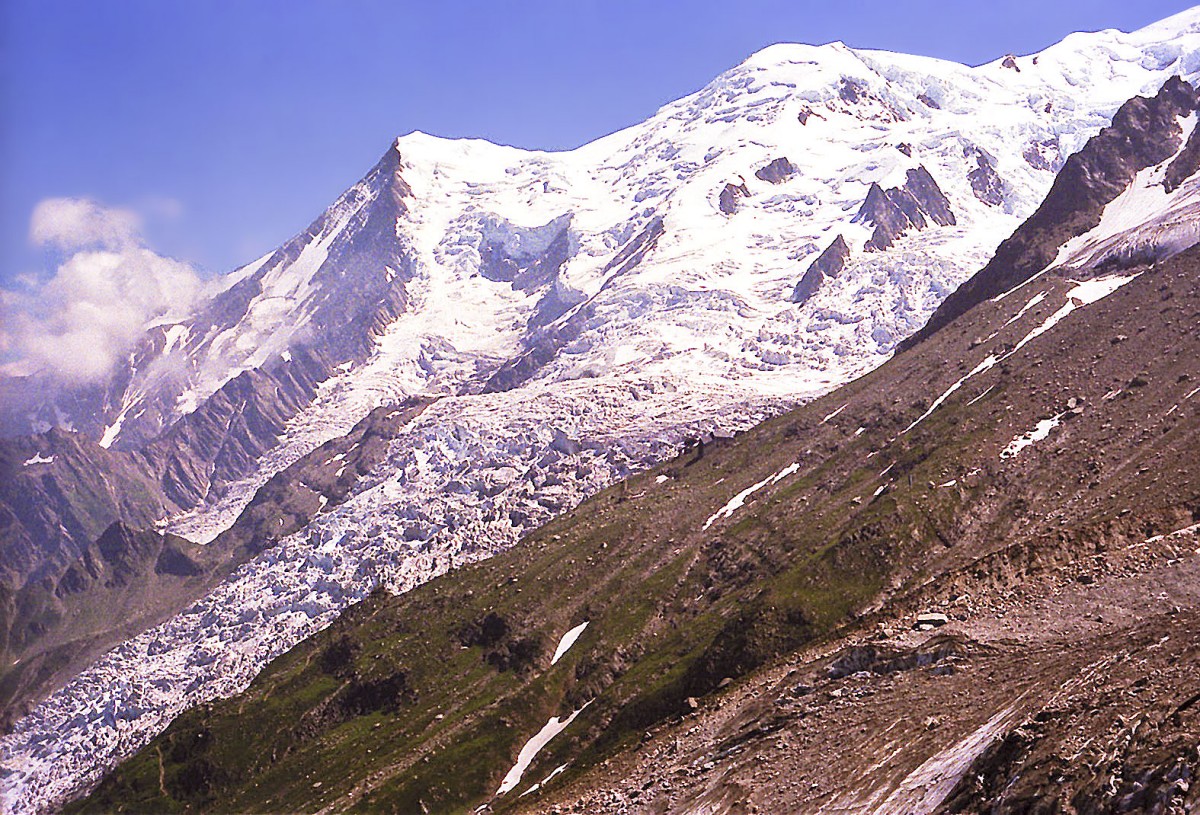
point(672, 312)
point(928, 785)
point(1033, 301)
point(1143, 220)
point(533, 747)
point(1178, 533)
point(835, 413)
point(1040, 431)
point(985, 392)
point(1081, 294)
point(987, 363)
point(113, 430)
point(176, 335)
point(568, 639)
point(38, 458)
point(544, 781)
point(557, 770)
point(738, 501)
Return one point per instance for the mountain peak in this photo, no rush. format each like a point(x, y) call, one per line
point(1185, 22)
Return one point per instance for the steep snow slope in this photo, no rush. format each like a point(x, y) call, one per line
point(625, 293)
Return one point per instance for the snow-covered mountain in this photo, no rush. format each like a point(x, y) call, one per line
point(959, 568)
point(572, 316)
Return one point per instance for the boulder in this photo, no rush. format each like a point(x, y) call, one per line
point(929, 620)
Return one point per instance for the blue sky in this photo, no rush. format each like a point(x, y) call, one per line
point(228, 126)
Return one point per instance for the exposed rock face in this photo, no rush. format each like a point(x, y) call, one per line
point(1185, 164)
point(59, 492)
point(1144, 132)
point(1035, 154)
point(320, 480)
point(730, 195)
point(899, 209)
point(929, 196)
point(851, 91)
point(223, 439)
point(356, 288)
point(986, 182)
point(828, 264)
point(777, 171)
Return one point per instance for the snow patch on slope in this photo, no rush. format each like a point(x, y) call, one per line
point(568, 639)
point(738, 501)
point(1039, 433)
point(532, 747)
point(1144, 221)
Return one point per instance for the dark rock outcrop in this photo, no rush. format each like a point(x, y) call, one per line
point(730, 195)
point(322, 479)
point(1035, 154)
point(929, 196)
point(1144, 132)
point(1185, 165)
point(851, 91)
point(895, 211)
point(777, 171)
point(985, 181)
point(829, 264)
point(222, 440)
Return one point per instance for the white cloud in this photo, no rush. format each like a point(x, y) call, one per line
point(77, 223)
point(79, 324)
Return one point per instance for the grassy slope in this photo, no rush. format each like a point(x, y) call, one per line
point(405, 704)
